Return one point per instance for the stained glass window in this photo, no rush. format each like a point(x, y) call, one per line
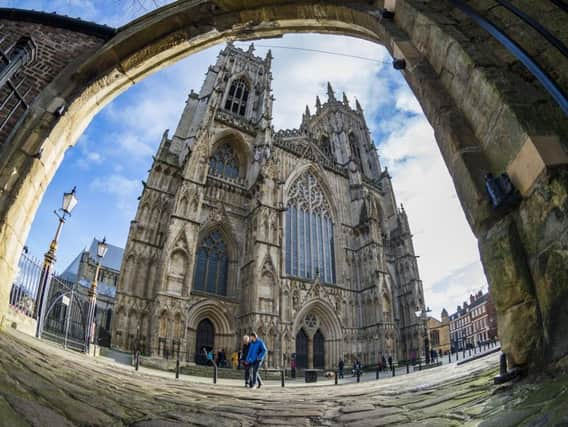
point(212, 264)
point(224, 162)
point(309, 231)
point(237, 97)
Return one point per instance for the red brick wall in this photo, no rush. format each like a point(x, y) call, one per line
point(56, 47)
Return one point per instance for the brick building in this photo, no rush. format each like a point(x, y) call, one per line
point(473, 323)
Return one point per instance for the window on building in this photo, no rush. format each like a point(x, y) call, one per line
point(354, 145)
point(325, 145)
point(237, 97)
point(309, 232)
point(224, 162)
point(212, 265)
point(435, 337)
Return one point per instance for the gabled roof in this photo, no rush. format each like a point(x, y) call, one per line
point(72, 270)
point(111, 260)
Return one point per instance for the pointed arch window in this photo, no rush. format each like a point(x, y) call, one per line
point(237, 97)
point(224, 162)
point(309, 232)
point(354, 146)
point(212, 265)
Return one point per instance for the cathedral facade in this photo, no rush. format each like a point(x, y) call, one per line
point(294, 234)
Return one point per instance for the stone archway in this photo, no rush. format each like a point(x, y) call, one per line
point(204, 340)
point(214, 313)
point(317, 324)
point(482, 111)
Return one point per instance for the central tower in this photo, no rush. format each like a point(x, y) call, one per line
point(294, 234)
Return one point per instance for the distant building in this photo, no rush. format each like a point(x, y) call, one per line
point(81, 272)
point(473, 323)
point(439, 333)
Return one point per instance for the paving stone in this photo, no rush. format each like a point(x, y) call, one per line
point(45, 385)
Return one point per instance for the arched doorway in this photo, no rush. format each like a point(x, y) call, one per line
point(301, 349)
point(205, 339)
point(319, 350)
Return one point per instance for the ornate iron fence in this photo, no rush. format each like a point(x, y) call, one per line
point(65, 311)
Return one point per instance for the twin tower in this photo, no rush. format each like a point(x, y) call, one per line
point(294, 234)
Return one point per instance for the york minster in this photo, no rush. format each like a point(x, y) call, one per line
point(294, 234)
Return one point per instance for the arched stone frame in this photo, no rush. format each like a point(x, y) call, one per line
point(241, 147)
point(222, 321)
point(170, 276)
point(418, 35)
point(330, 326)
point(319, 173)
point(119, 326)
point(231, 242)
point(244, 75)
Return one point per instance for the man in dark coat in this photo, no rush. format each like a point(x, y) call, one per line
point(256, 355)
point(243, 361)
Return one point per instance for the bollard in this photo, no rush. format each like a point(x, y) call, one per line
point(358, 375)
point(137, 360)
point(214, 374)
point(177, 367)
point(503, 365)
point(407, 368)
point(463, 353)
point(449, 357)
point(377, 374)
point(282, 377)
point(336, 375)
point(470, 352)
point(393, 370)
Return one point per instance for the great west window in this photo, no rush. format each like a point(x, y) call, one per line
point(309, 232)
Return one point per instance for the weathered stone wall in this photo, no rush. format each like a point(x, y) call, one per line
point(488, 113)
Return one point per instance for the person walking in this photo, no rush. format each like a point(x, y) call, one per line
point(390, 361)
point(383, 362)
point(256, 355)
point(341, 366)
point(243, 360)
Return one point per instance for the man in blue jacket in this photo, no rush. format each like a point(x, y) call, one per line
point(255, 357)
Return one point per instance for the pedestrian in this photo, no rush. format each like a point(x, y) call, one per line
point(222, 358)
point(390, 361)
point(234, 359)
point(243, 361)
point(256, 355)
point(354, 370)
point(341, 366)
point(383, 362)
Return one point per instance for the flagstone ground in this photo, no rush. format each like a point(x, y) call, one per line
point(44, 385)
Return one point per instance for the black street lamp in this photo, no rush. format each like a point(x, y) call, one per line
point(102, 248)
point(69, 202)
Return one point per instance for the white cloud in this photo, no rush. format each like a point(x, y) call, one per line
point(124, 191)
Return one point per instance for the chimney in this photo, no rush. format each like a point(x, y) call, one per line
point(471, 299)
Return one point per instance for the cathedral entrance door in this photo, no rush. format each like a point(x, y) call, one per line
point(301, 350)
point(319, 350)
point(205, 340)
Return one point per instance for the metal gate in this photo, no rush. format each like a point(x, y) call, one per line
point(65, 315)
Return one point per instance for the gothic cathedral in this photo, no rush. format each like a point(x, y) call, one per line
point(294, 234)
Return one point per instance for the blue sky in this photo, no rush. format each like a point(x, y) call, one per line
point(114, 154)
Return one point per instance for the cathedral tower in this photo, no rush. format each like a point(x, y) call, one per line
point(294, 234)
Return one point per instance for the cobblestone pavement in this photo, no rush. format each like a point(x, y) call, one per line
point(43, 385)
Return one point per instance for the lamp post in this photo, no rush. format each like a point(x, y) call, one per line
point(102, 248)
point(69, 202)
point(422, 314)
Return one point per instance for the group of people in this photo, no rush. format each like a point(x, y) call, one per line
point(253, 354)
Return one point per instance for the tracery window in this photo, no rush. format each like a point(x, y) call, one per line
point(237, 97)
point(309, 232)
point(224, 162)
point(211, 265)
point(325, 145)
